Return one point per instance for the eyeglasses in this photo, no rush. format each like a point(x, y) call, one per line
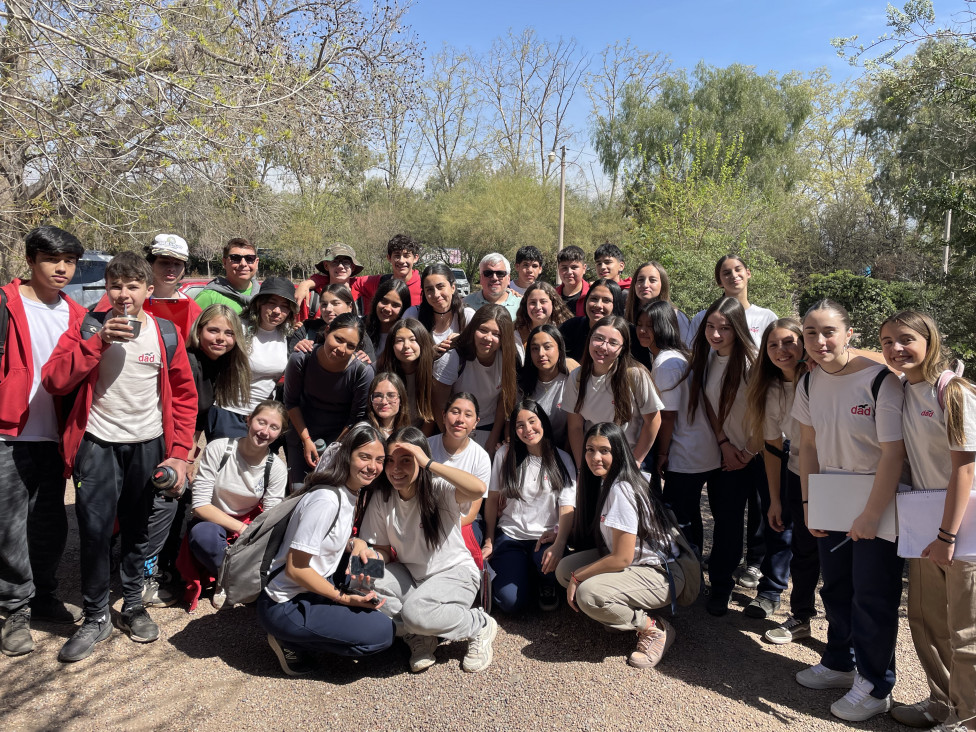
point(490, 273)
point(601, 341)
point(385, 397)
point(249, 258)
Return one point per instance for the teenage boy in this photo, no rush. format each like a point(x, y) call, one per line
point(339, 266)
point(402, 252)
point(134, 411)
point(236, 288)
point(609, 264)
point(571, 265)
point(528, 267)
point(495, 272)
point(33, 521)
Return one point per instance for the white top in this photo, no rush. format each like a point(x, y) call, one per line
point(735, 421)
point(126, 406)
point(538, 508)
point(472, 459)
point(239, 486)
point(312, 516)
point(485, 382)
point(694, 448)
point(46, 324)
point(414, 312)
point(620, 512)
point(397, 523)
point(268, 358)
point(926, 439)
point(598, 403)
point(757, 319)
point(780, 422)
point(685, 330)
point(849, 425)
point(549, 395)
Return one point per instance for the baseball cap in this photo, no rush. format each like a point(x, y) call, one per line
point(170, 245)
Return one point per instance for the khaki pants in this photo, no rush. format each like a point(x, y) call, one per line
point(620, 600)
point(942, 616)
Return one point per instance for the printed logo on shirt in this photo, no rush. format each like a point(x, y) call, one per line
point(927, 413)
point(147, 357)
point(603, 518)
point(864, 409)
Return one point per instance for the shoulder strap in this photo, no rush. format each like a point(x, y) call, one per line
point(4, 322)
point(944, 378)
point(267, 469)
point(278, 535)
point(92, 323)
point(170, 339)
point(806, 384)
point(878, 381)
point(231, 444)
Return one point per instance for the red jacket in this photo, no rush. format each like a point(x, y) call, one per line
point(17, 365)
point(366, 287)
point(74, 363)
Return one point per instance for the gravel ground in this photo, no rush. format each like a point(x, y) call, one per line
point(553, 671)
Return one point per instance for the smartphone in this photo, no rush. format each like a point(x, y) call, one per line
point(373, 568)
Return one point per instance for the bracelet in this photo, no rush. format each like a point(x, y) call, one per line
point(572, 576)
point(947, 533)
point(806, 501)
point(749, 452)
point(947, 541)
point(429, 462)
point(723, 441)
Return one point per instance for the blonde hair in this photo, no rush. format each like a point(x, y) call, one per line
point(766, 375)
point(234, 380)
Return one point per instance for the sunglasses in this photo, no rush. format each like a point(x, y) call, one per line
point(249, 258)
point(490, 273)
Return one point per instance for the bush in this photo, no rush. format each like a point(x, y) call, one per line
point(867, 300)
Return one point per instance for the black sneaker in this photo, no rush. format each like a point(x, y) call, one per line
point(51, 609)
point(17, 640)
point(293, 663)
point(548, 598)
point(80, 645)
point(137, 623)
point(717, 605)
point(761, 608)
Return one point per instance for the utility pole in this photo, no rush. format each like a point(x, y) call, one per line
point(945, 235)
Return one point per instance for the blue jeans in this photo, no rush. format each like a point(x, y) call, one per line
point(518, 573)
point(778, 545)
point(805, 564)
point(861, 594)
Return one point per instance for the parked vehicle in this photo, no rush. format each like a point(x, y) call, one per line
point(88, 285)
point(461, 281)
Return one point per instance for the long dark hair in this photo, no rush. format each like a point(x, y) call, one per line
point(615, 292)
point(430, 515)
point(425, 313)
point(345, 320)
point(402, 418)
point(513, 469)
point(506, 349)
point(663, 321)
point(336, 473)
point(634, 304)
point(372, 321)
point(624, 368)
point(424, 375)
point(529, 373)
point(653, 523)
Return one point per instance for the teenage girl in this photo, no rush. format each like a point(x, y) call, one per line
point(409, 353)
point(431, 581)
point(390, 302)
point(770, 399)
point(861, 578)
point(601, 300)
point(387, 409)
point(530, 502)
point(325, 391)
point(484, 363)
point(687, 454)
point(442, 312)
point(650, 284)
point(610, 386)
point(335, 300)
point(732, 275)
point(540, 304)
point(302, 609)
point(940, 439)
point(620, 582)
point(544, 374)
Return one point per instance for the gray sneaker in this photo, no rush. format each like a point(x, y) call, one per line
point(917, 715)
point(761, 608)
point(137, 623)
point(788, 631)
point(17, 640)
point(819, 676)
point(154, 595)
point(422, 648)
point(479, 654)
point(81, 644)
point(748, 577)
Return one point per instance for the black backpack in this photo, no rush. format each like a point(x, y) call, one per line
point(4, 323)
point(875, 385)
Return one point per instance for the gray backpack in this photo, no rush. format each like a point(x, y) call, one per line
point(246, 569)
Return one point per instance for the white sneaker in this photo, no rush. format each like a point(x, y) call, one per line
point(858, 705)
point(821, 677)
point(219, 597)
point(479, 654)
point(422, 649)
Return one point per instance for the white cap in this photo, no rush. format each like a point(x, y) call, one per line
point(170, 245)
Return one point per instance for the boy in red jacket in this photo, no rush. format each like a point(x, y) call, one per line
point(134, 411)
point(33, 521)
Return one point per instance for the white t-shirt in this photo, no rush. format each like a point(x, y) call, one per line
point(396, 523)
point(620, 512)
point(757, 319)
point(780, 422)
point(126, 406)
point(599, 403)
point(538, 508)
point(848, 423)
point(414, 312)
point(46, 324)
point(694, 448)
point(312, 516)
point(549, 396)
point(685, 330)
point(926, 438)
point(268, 358)
point(472, 459)
point(734, 424)
point(238, 487)
point(485, 382)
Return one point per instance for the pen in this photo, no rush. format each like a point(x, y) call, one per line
point(841, 544)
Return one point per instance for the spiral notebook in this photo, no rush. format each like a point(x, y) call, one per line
point(919, 519)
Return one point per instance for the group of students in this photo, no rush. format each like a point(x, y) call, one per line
point(540, 436)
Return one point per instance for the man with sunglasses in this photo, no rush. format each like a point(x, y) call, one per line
point(495, 277)
point(236, 288)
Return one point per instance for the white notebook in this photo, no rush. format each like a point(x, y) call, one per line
point(836, 499)
point(919, 520)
